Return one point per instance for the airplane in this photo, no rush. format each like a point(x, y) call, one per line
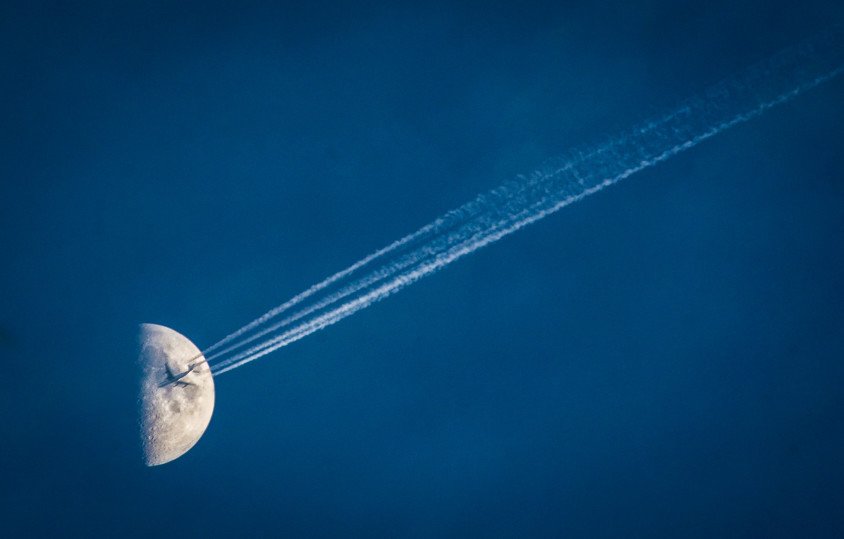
point(177, 378)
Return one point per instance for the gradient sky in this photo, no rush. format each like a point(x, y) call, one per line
point(662, 359)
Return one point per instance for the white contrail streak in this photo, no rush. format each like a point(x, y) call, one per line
point(464, 214)
point(523, 201)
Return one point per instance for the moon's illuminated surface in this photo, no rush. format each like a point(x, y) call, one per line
point(173, 415)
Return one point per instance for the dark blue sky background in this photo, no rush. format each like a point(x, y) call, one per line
point(662, 359)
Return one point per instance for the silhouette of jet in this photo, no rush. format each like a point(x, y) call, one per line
point(177, 378)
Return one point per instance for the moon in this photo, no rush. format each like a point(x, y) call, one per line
point(174, 413)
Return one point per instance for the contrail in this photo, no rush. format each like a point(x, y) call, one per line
point(527, 199)
point(480, 206)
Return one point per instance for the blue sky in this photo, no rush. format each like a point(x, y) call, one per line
point(662, 359)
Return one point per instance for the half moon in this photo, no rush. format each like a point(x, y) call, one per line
point(177, 394)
